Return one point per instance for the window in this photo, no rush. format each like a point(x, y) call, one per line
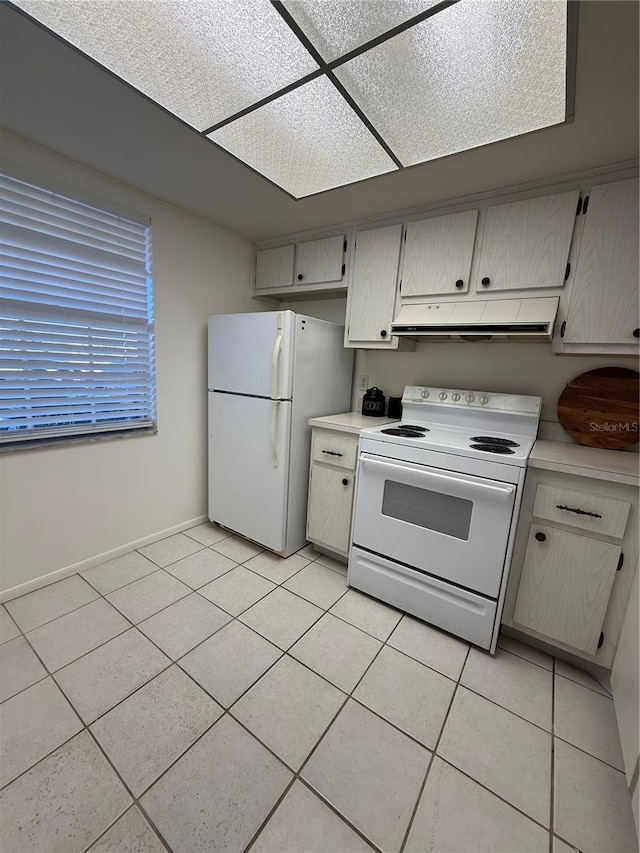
point(76, 318)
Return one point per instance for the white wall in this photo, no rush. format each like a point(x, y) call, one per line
point(520, 368)
point(61, 506)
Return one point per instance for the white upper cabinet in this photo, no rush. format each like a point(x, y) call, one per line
point(320, 261)
point(274, 268)
point(372, 291)
point(526, 243)
point(437, 255)
point(604, 299)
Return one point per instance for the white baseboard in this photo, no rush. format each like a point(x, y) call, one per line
point(59, 574)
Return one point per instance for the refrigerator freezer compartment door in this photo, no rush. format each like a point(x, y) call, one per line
point(252, 353)
point(247, 489)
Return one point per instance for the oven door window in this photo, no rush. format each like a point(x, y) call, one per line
point(433, 510)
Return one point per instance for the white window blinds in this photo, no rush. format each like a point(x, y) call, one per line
point(76, 317)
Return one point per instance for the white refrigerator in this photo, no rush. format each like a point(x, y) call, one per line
point(269, 372)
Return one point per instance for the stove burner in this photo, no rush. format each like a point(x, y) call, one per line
point(407, 433)
point(491, 439)
point(413, 426)
point(493, 448)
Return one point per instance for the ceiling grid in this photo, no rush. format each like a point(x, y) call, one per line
point(316, 95)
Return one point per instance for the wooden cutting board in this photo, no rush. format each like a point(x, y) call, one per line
point(600, 408)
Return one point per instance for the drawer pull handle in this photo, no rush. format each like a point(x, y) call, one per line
point(541, 537)
point(345, 482)
point(579, 511)
point(332, 453)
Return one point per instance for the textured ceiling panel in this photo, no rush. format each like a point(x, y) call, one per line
point(202, 60)
point(336, 27)
point(306, 141)
point(474, 73)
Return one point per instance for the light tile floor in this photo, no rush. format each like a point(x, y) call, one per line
point(201, 695)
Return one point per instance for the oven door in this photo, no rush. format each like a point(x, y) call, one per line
point(452, 526)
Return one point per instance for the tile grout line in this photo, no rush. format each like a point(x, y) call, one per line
point(552, 756)
point(286, 652)
point(434, 752)
point(605, 695)
point(175, 661)
point(129, 583)
point(60, 615)
point(87, 728)
point(298, 774)
point(52, 673)
point(123, 815)
point(172, 662)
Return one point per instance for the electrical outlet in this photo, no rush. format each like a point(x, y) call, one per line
point(364, 382)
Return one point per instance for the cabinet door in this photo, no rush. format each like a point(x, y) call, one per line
point(372, 296)
point(437, 255)
point(274, 267)
point(526, 243)
point(604, 299)
point(320, 261)
point(565, 586)
point(329, 510)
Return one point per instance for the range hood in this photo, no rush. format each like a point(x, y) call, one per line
point(502, 318)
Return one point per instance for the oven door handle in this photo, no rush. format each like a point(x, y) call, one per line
point(506, 489)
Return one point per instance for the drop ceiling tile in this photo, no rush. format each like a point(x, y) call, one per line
point(474, 73)
point(202, 60)
point(336, 27)
point(306, 141)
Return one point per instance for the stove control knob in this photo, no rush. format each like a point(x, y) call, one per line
point(455, 397)
point(470, 398)
point(484, 400)
point(424, 394)
point(442, 395)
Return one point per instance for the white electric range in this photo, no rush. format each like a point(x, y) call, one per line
point(436, 506)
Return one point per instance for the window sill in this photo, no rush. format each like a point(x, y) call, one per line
point(75, 440)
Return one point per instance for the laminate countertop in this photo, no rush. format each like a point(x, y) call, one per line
point(352, 422)
point(616, 466)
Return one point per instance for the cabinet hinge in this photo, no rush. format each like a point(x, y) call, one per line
point(585, 205)
point(601, 640)
point(567, 271)
point(344, 266)
point(620, 561)
point(562, 328)
point(579, 208)
point(344, 246)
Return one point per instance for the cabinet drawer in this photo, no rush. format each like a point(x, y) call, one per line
point(584, 511)
point(335, 448)
point(565, 586)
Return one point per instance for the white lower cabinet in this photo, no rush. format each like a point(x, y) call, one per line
point(331, 482)
point(574, 561)
point(565, 586)
point(329, 513)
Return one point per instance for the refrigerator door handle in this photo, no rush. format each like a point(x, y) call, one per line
point(274, 446)
point(277, 347)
